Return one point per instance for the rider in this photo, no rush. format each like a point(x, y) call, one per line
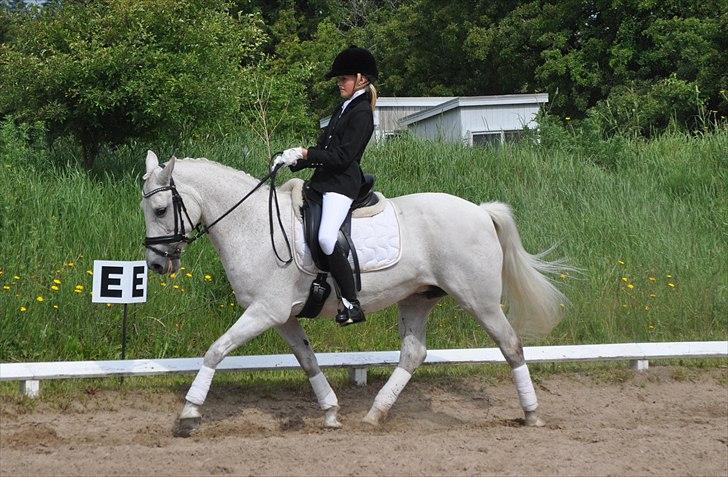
point(335, 158)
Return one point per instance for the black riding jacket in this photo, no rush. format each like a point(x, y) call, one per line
point(337, 154)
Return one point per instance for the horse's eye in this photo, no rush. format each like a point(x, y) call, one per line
point(160, 212)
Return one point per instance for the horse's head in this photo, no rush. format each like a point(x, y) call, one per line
point(168, 217)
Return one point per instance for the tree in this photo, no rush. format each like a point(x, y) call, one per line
point(111, 70)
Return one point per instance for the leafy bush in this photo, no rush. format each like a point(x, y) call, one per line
point(112, 70)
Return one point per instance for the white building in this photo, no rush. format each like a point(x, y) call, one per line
point(474, 120)
point(477, 120)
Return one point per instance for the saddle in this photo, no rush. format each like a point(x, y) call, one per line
point(311, 218)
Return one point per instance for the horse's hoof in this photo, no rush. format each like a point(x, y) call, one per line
point(332, 423)
point(187, 426)
point(373, 417)
point(532, 420)
point(330, 419)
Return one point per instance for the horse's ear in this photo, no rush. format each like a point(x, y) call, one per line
point(152, 163)
point(167, 171)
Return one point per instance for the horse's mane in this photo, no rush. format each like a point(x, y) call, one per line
point(231, 171)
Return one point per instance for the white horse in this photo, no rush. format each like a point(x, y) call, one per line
point(449, 246)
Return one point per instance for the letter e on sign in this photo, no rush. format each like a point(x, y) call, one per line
point(119, 282)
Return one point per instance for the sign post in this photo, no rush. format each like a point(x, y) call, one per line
point(120, 282)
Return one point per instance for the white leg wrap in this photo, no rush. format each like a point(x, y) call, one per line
point(390, 392)
point(325, 395)
point(200, 386)
point(524, 386)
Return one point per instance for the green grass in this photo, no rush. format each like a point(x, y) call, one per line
point(646, 221)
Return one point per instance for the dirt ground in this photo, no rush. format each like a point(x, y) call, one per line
point(665, 422)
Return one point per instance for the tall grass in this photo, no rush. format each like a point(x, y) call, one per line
point(646, 221)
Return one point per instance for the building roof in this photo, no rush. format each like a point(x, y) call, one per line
point(411, 101)
point(475, 101)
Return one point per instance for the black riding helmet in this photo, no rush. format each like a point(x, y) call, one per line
point(354, 60)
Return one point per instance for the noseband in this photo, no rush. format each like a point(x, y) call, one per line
point(180, 237)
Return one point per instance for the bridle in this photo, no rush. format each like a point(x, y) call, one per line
point(179, 236)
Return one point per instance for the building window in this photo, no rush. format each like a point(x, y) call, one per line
point(486, 139)
point(497, 138)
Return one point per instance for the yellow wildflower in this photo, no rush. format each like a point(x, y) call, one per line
point(55, 307)
point(652, 279)
point(625, 279)
point(23, 309)
point(652, 295)
point(89, 272)
point(108, 305)
point(6, 287)
point(620, 262)
point(175, 286)
point(188, 275)
point(630, 286)
point(15, 277)
point(208, 278)
point(79, 287)
point(39, 298)
point(563, 275)
point(55, 287)
point(162, 284)
point(78, 290)
point(172, 275)
point(56, 281)
point(668, 276)
point(71, 264)
point(671, 285)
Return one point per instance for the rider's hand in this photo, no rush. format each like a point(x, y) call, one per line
point(289, 157)
point(292, 155)
point(277, 161)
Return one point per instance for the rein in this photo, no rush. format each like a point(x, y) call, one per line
point(179, 236)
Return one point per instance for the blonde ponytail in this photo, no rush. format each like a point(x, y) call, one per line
point(372, 89)
point(373, 93)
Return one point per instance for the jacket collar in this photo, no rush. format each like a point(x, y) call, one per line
point(351, 102)
point(353, 98)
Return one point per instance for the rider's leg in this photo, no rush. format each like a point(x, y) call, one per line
point(335, 208)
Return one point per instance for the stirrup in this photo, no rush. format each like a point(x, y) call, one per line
point(348, 316)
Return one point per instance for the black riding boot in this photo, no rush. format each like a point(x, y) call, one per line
point(341, 271)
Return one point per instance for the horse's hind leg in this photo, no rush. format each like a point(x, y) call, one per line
point(495, 323)
point(296, 337)
point(412, 323)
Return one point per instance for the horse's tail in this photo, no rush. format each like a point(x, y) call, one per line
point(534, 304)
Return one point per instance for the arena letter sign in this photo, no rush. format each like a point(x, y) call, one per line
point(119, 282)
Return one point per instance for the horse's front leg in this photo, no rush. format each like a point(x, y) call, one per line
point(296, 337)
point(413, 313)
point(253, 322)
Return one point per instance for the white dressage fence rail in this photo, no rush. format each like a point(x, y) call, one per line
point(639, 354)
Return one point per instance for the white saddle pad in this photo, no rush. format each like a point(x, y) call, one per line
point(376, 238)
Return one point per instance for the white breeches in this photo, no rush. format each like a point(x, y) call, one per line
point(333, 212)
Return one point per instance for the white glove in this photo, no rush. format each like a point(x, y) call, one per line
point(292, 155)
point(289, 157)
